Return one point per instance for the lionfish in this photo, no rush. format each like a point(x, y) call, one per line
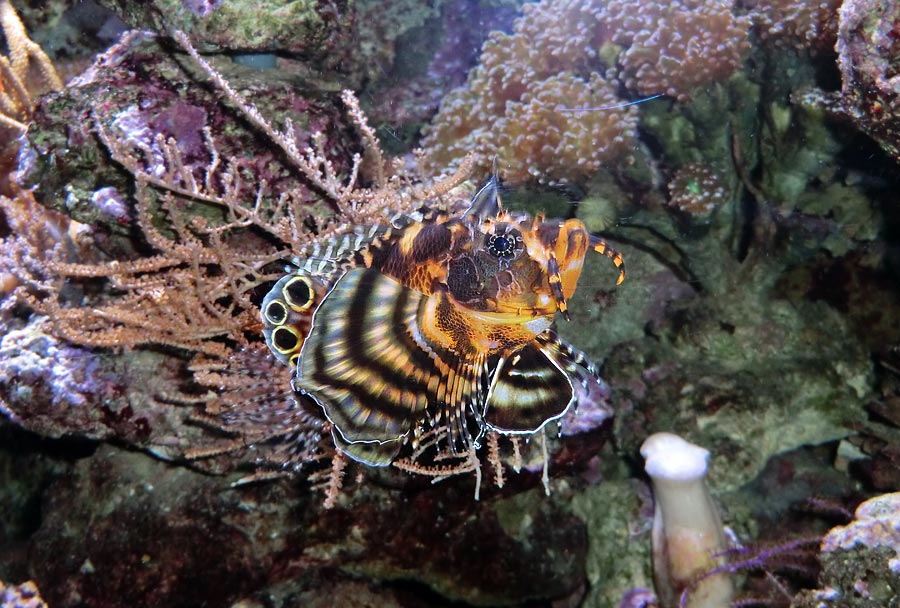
point(435, 321)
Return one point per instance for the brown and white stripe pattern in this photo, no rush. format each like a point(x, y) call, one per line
point(369, 363)
point(528, 390)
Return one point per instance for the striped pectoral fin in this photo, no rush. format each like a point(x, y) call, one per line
point(374, 454)
point(568, 358)
point(528, 390)
point(364, 362)
point(592, 406)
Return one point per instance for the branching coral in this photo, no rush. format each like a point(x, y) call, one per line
point(25, 72)
point(195, 288)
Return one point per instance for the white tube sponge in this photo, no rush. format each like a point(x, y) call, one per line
point(687, 530)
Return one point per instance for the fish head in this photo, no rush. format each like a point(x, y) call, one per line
point(519, 266)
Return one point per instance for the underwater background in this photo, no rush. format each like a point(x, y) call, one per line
point(752, 191)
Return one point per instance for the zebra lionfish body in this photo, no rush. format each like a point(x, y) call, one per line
point(443, 321)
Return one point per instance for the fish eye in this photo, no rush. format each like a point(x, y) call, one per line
point(298, 292)
point(505, 243)
point(276, 312)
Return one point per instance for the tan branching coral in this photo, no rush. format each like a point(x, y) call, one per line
point(195, 291)
point(25, 72)
point(467, 462)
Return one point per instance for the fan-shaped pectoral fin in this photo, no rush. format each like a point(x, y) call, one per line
point(374, 453)
point(592, 394)
point(361, 364)
point(528, 390)
point(374, 365)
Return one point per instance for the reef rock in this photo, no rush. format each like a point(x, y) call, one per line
point(861, 561)
point(868, 46)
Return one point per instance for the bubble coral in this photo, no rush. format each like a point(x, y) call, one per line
point(543, 100)
point(511, 105)
point(561, 146)
point(802, 24)
point(697, 190)
point(673, 47)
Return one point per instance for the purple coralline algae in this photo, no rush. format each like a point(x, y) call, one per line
point(140, 93)
point(868, 46)
point(201, 8)
point(25, 595)
point(54, 388)
point(861, 560)
point(876, 523)
point(30, 357)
